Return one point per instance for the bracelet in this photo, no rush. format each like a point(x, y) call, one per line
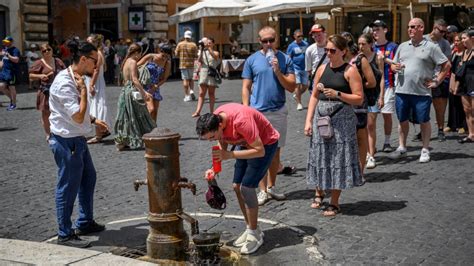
point(93, 120)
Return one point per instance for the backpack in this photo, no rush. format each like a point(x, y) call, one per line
point(372, 93)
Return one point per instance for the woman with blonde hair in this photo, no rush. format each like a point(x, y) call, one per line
point(133, 119)
point(96, 87)
point(45, 70)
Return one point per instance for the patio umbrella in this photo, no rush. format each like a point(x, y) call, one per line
point(211, 8)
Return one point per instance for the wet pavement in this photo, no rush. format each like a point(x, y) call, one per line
point(406, 213)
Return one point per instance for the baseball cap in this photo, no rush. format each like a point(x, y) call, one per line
point(378, 23)
point(8, 39)
point(188, 34)
point(317, 28)
point(452, 28)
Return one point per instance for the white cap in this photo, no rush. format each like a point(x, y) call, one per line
point(188, 34)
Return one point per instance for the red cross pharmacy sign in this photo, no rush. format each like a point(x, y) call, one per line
point(136, 18)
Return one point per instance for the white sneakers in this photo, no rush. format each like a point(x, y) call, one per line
point(262, 197)
point(249, 241)
point(425, 156)
point(299, 107)
point(187, 98)
point(240, 241)
point(271, 193)
point(370, 162)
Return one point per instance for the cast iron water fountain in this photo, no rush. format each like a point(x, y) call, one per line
point(167, 239)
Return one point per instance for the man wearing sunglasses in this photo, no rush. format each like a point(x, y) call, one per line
point(415, 63)
point(440, 93)
point(265, 81)
point(10, 59)
point(296, 50)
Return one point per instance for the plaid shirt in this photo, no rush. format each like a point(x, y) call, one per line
point(187, 53)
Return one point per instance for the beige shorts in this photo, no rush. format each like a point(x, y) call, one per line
point(279, 121)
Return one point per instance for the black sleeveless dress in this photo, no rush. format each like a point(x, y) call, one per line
point(334, 163)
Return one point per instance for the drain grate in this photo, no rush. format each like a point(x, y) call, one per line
point(132, 253)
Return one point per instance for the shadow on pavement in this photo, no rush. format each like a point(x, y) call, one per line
point(364, 208)
point(279, 238)
point(127, 236)
point(7, 129)
point(26, 108)
point(387, 177)
point(300, 194)
point(440, 156)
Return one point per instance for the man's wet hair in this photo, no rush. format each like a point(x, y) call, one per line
point(207, 123)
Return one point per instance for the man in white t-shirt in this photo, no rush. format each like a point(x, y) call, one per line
point(315, 51)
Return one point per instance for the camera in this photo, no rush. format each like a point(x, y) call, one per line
point(201, 44)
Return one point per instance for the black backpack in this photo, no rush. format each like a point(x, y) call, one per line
point(371, 93)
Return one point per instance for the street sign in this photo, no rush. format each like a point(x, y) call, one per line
point(136, 18)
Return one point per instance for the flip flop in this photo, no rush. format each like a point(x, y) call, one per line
point(287, 170)
point(106, 134)
point(195, 115)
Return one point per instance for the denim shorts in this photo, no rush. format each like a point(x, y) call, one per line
point(187, 73)
point(416, 105)
point(301, 77)
point(249, 172)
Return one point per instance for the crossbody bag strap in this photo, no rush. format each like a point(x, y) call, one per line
point(319, 64)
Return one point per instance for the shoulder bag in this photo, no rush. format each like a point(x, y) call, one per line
point(324, 124)
point(213, 72)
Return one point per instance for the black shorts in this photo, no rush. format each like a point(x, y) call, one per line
point(442, 91)
point(11, 81)
point(361, 120)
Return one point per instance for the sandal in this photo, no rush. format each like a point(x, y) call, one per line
point(195, 115)
point(331, 210)
point(317, 202)
point(465, 140)
point(106, 134)
point(287, 170)
point(94, 140)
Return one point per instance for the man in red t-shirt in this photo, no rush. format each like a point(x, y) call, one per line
point(256, 142)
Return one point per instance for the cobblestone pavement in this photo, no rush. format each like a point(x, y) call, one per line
point(407, 212)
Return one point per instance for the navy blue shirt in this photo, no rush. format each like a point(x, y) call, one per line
point(9, 68)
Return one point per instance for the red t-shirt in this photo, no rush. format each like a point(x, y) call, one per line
point(244, 124)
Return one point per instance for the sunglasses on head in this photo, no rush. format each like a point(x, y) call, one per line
point(46, 50)
point(271, 40)
point(330, 50)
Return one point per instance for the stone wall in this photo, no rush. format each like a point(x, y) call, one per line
point(35, 21)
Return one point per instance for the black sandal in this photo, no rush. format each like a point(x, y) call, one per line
point(317, 204)
point(465, 140)
point(331, 208)
point(287, 170)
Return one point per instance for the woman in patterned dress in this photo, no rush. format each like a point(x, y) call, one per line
point(159, 66)
point(333, 164)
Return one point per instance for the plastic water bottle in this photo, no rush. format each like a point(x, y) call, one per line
point(269, 56)
point(216, 165)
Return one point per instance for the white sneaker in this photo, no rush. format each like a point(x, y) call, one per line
point(240, 241)
point(425, 156)
point(370, 163)
point(252, 244)
point(272, 193)
point(299, 107)
point(187, 98)
point(262, 197)
point(398, 153)
point(191, 93)
point(294, 96)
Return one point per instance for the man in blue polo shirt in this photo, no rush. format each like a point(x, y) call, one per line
point(267, 74)
point(296, 51)
point(10, 59)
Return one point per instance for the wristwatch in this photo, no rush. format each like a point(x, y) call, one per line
point(338, 95)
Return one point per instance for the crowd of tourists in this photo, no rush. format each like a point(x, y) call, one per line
point(350, 82)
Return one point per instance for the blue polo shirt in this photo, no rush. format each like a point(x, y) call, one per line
point(267, 92)
point(296, 52)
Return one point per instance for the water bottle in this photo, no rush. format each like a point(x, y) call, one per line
point(269, 56)
point(216, 165)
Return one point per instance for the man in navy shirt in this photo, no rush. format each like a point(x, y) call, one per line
point(296, 51)
point(11, 57)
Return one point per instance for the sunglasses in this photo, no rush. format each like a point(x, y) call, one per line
point(46, 50)
point(330, 50)
point(299, 36)
point(272, 40)
point(92, 58)
point(412, 26)
point(442, 31)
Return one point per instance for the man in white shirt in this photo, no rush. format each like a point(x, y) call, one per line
point(315, 52)
point(70, 122)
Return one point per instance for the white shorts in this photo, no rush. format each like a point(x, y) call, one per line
point(389, 101)
point(279, 121)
